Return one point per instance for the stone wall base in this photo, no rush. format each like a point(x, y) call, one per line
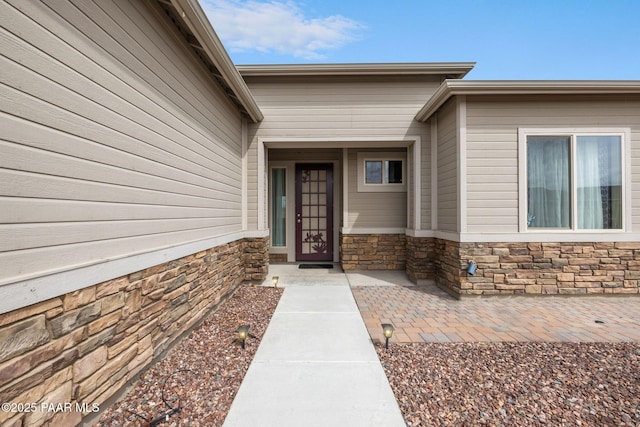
point(373, 251)
point(85, 346)
point(420, 258)
point(539, 268)
point(503, 268)
point(278, 258)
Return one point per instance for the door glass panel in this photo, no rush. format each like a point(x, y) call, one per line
point(279, 207)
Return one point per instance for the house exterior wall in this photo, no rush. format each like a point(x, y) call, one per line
point(492, 147)
point(511, 260)
point(85, 346)
point(116, 143)
point(373, 251)
point(428, 209)
point(120, 199)
point(447, 146)
point(338, 108)
point(538, 268)
point(374, 209)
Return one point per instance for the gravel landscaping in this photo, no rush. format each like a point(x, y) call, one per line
point(202, 374)
point(515, 384)
point(436, 384)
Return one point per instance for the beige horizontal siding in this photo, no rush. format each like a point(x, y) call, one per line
point(373, 210)
point(116, 141)
point(425, 181)
point(335, 122)
point(447, 168)
point(492, 147)
point(334, 108)
point(307, 155)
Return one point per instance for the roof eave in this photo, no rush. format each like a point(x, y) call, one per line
point(450, 88)
point(194, 17)
point(454, 70)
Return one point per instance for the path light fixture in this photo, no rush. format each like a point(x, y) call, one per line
point(243, 333)
point(471, 269)
point(275, 280)
point(387, 331)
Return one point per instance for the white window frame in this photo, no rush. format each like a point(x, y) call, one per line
point(573, 133)
point(384, 187)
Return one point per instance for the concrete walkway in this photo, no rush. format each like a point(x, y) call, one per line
point(316, 365)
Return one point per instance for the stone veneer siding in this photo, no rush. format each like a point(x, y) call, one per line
point(86, 345)
point(278, 258)
point(420, 258)
point(373, 251)
point(539, 268)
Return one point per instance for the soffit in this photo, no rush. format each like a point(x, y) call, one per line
point(191, 21)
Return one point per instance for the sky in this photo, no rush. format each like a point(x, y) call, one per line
point(508, 39)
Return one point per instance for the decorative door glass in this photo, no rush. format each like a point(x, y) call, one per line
point(314, 209)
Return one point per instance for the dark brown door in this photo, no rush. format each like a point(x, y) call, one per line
point(314, 212)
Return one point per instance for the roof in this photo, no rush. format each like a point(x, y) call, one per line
point(192, 22)
point(454, 70)
point(450, 88)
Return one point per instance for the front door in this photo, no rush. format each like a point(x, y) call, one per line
point(314, 212)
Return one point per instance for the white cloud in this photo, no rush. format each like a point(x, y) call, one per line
point(280, 27)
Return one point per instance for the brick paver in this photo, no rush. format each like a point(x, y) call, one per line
point(428, 314)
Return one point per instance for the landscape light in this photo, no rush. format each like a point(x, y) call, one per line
point(387, 330)
point(243, 333)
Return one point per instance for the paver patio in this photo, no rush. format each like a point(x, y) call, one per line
point(428, 314)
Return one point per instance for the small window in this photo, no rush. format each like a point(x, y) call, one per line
point(393, 170)
point(381, 172)
point(373, 171)
point(574, 182)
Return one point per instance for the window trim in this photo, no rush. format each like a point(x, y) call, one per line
point(573, 133)
point(384, 187)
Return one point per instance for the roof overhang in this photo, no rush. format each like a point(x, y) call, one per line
point(192, 22)
point(450, 88)
point(451, 70)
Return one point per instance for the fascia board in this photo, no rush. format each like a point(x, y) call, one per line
point(197, 21)
point(451, 88)
point(456, 69)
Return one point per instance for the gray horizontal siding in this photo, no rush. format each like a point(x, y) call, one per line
point(115, 139)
